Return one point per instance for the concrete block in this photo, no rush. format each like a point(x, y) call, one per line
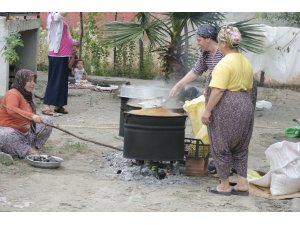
point(6, 159)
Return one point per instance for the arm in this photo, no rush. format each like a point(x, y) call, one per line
point(63, 13)
point(85, 76)
point(59, 16)
point(12, 105)
point(215, 96)
point(72, 58)
point(17, 113)
point(71, 61)
point(189, 77)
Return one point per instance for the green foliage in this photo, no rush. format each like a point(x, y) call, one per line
point(125, 59)
point(150, 66)
point(99, 57)
point(252, 36)
point(119, 33)
point(13, 40)
point(95, 55)
point(42, 59)
point(165, 36)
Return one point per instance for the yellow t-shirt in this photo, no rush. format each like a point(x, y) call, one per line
point(233, 73)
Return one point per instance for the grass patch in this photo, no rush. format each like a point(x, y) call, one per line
point(77, 147)
point(65, 150)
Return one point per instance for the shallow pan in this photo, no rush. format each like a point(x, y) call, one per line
point(44, 161)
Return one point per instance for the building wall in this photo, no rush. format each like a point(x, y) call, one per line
point(28, 54)
point(73, 18)
point(3, 65)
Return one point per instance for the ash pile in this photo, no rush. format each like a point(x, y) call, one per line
point(147, 171)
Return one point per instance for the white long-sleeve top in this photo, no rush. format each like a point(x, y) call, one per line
point(55, 30)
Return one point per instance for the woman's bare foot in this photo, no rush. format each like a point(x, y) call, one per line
point(242, 184)
point(34, 151)
point(222, 188)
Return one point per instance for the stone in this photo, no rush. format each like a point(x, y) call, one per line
point(295, 207)
point(6, 159)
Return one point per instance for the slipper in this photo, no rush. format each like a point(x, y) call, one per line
point(240, 193)
point(215, 191)
point(49, 112)
point(61, 110)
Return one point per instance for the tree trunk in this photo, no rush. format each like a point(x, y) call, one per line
point(262, 79)
point(186, 46)
point(115, 49)
point(81, 35)
point(141, 47)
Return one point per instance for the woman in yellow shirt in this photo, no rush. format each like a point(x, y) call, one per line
point(229, 113)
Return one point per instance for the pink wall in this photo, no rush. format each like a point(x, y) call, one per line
point(73, 17)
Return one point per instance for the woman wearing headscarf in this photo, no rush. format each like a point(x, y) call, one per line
point(210, 56)
point(21, 129)
point(59, 50)
point(229, 113)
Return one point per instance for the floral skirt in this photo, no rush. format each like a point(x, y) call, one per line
point(230, 132)
point(18, 144)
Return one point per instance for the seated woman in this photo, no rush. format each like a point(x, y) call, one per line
point(22, 131)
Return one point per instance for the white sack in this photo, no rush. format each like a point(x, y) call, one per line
point(281, 59)
point(284, 175)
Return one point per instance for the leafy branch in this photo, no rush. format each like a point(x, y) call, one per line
point(13, 40)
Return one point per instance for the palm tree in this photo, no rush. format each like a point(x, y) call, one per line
point(119, 33)
point(175, 52)
point(169, 36)
point(252, 36)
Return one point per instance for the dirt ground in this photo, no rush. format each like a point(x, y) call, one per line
point(86, 181)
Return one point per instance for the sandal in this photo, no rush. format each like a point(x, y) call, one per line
point(61, 110)
point(215, 191)
point(240, 193)
point(49, 112)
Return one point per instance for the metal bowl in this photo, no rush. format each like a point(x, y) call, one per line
point(44, 161)
point(143, 92)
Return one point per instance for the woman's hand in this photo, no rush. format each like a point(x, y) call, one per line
point(175, 91)
point(189, 77)
point(215, 96)
point(37, 119)
point(206, 117)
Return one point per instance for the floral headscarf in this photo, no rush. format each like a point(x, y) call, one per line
point(231, 35)
point(21, 77)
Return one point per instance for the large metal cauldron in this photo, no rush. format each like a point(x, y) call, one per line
point(131, 92)
point(157, 138)
point(125, 107)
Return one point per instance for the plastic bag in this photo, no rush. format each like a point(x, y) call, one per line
point(263, 104)
point(292, 132)
point(284, 175)
point(195, 109)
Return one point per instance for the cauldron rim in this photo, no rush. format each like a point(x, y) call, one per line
point(180, 115)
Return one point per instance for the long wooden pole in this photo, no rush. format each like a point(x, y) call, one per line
point(84, 139)
point(68, 132)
